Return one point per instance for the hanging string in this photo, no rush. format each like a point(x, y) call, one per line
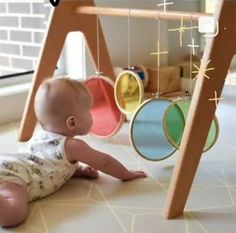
point(158, 57)
point(191, 58)
point(98, 49)
point(129, 67)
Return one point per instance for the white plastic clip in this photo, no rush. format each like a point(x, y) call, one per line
point(207, 24)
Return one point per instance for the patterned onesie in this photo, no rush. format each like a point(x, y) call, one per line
point(42, 167)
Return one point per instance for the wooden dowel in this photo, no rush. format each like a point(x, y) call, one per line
point(139, 13)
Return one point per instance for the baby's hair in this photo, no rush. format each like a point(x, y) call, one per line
point(56, 98)
point(74, 84)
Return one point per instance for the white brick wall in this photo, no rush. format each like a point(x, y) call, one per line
point(22, 28)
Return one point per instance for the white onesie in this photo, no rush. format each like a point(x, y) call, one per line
point(42, 167)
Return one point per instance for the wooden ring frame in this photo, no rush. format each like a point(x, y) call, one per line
point(129, 91)
point(107, 118)
point(180, 120)
point(145, 134)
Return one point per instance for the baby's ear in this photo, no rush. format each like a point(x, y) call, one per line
point(71, 122)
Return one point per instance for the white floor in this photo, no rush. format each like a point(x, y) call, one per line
point(106, 205)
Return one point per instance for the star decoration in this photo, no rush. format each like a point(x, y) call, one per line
point(193, 46)
point(181, 30)
point(202, 71)
point(216, 99)
point(158, 53)
point(165, 4)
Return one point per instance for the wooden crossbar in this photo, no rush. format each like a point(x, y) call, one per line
point(139, 13)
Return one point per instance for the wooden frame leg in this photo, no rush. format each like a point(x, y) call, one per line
point(220, 51)
point(46, 66)
point(63, 21)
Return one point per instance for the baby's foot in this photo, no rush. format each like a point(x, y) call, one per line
point(86, 171)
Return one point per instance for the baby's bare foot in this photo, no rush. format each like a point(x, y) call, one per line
point(86, 171)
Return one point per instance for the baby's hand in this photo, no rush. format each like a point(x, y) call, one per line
point(135, 175)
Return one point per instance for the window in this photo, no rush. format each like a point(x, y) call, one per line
point(22, 29)
point(23, 26)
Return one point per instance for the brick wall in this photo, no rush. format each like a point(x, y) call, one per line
point(22, 28)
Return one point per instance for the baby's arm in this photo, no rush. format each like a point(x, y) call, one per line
point(79, 151)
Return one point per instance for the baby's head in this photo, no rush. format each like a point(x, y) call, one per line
point(63, 106)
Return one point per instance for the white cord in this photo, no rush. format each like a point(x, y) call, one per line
point(129, 67)
point(191, 58)
point(158, 62)
point(98, 52)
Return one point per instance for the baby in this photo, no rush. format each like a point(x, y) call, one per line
point(52, 156)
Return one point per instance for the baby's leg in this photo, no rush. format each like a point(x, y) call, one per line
point(13, 204)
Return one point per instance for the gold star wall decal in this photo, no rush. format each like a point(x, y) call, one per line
point(181, 30)
point(202, 71)
point(165, 4)
point(216, 99)
point(193, 46)
point(158, 53)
